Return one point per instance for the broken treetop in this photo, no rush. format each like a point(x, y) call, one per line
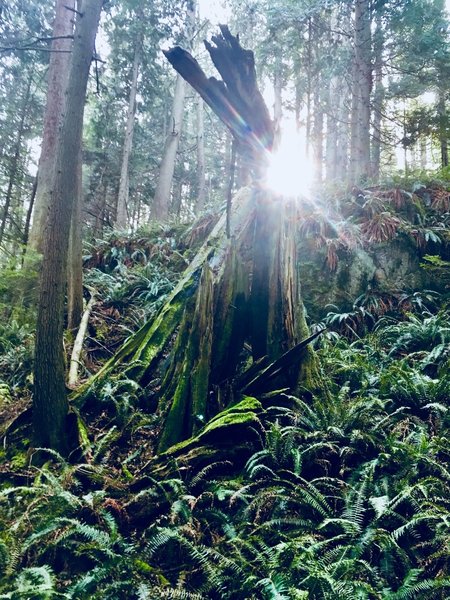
point(236, 98)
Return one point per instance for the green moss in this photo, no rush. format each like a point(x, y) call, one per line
point(19, 461)
point(175, 422)
point(146, 345)
point(242, 413)
point(127, 473)
point(189, 369)
point(83, 435)
point(5, 395)
point(343, 277)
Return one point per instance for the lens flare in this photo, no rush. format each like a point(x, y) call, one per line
point(290, 172)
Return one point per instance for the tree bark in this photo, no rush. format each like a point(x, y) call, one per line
point(75, 263)
point(361, 88)
point(378, 99)
point(14, 164)
point(122, 199)
point(201, 183)
point(50, 404)
point(161, 201)
point(443, 127)
point(57, 82)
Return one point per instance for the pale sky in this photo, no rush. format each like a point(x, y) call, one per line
point(215, 11)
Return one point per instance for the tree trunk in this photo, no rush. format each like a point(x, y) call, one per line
point(278, 99)
point(50, 404)
point(75, 262)
point(443, 127)
point(26, 228)
point(57, 82)
point(361, 87)
point(378, 99)
point(14, 164)
point(122, 199)
point(317, 134)
point(343, 137)
point(201, 183)
point(331, 155)
point(308, 86)
point(423, 152)
point(161, 201)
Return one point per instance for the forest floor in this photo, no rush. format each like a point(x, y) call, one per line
point(340, 495)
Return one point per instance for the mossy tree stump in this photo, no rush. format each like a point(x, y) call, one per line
point(239, 301)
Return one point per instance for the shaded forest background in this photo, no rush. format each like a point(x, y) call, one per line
point(367, 83)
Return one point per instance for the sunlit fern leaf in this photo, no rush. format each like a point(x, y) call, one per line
point(34, 583)
point(275, 587)
point(164, 593)
point(205, 472)
point(413, 588)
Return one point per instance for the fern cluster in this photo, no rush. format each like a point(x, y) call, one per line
point(341, 496)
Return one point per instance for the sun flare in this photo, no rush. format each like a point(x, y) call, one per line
point(290, 172)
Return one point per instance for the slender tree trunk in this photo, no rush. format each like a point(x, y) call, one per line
point(201, 183)
point(317, 136)
point(423, 152)
point(15, 160)
point(75, 262)
point(299, 85)
point(308, 87)
point(362, 78)
point(443, 127)
point(378, 99)
point(161, 201)
point(333, 98)
point(78, 344)
point(278, 99)
point(57, 82)
point(122, 199)
point(177, 199)
point(232, 168)
point(26, 229)
point(343, 134)
point(50, 404)
point(317, 99)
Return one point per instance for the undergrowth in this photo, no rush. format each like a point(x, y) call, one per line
point(345, 496)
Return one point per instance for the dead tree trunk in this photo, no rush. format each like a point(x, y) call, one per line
point(239, 300)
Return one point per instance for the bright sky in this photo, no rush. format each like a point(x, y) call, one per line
point(215, 11)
